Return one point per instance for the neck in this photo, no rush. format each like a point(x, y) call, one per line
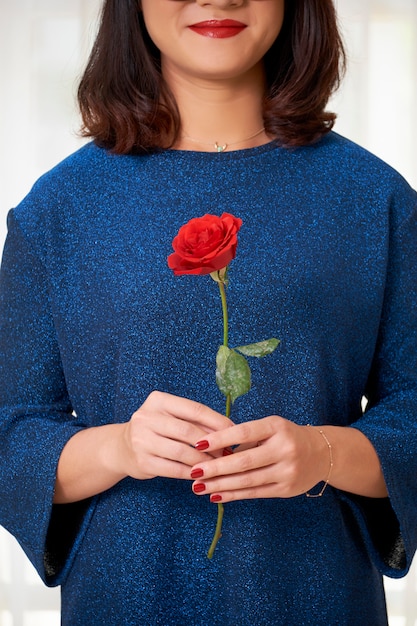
point(226, 113)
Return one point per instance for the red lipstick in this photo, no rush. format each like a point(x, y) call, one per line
point(218, 29)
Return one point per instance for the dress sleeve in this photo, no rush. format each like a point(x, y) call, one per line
point(390, 419)
point(36, 416)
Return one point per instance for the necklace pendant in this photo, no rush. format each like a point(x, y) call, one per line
point(220, 148)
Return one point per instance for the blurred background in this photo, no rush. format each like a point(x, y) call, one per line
point(43, 47)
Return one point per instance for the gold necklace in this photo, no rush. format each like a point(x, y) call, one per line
point(222, 147)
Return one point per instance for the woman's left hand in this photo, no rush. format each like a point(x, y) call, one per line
point(275, 458)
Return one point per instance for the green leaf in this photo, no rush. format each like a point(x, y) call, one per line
point(260, 349)
point(232, 373)
point(221, 360)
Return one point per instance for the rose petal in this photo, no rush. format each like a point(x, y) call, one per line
point(205, 244)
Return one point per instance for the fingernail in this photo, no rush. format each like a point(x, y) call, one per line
point(199, 488)
point(227, 451)
point(215, 498)
point(202, 445)
point(197, 473)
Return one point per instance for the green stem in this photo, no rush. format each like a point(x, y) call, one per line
point(218, 531)
point(225, 337)
point(220, 507)
point(228, 405)
point(225, 315)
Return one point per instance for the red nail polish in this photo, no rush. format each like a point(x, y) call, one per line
point(202, 445)
point(216, 497)
point(199, 488)
point(197, 473)
point(227, 451)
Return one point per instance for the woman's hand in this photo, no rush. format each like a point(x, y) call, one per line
point(159, 439)
point(276, 458)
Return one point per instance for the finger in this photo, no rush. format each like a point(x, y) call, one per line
point(247, 433)
point(187, 410)
point(144, 423)
point(165, 468)
point(158, 456)
point(236, 481)
point(155, 444)
point(239, 463)
point(270, 490)
point(181, 453)
point(263, 491)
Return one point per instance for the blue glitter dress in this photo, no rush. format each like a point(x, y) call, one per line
point(92, 320)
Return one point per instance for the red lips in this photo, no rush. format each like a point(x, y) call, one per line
point(218, 29)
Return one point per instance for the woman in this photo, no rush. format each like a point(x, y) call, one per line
point(209, 107)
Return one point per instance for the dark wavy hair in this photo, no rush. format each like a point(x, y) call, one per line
point(127, 107)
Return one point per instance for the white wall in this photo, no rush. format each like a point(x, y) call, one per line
point(43, 44)
point(378, 101)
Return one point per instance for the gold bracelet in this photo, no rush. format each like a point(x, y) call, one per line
point(326, 482)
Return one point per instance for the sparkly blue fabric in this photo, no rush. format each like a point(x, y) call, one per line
point(92, 320)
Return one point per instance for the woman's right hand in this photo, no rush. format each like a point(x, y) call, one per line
point(158, 440)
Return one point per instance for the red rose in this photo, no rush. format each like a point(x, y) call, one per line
point(205, 244)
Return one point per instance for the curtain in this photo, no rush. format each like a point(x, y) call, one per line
point(43, 45)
